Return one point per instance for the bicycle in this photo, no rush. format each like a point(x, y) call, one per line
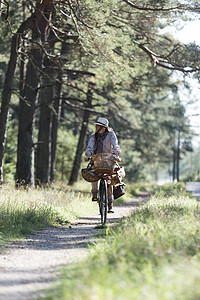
point(106, 163)
point(101, 167)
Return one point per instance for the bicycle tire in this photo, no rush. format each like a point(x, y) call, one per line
point(103, 200)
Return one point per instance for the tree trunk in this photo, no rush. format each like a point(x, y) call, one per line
point(178, 157)
point(44, 135)
point(25, 149)
point(174, 164)
point(6, 95)
point(54, 128)
point(57, 111)
point(1, 7)
point(22, 59)
point(82, 137)
point(7, 89)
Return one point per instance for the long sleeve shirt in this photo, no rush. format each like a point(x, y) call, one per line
point(110, 145)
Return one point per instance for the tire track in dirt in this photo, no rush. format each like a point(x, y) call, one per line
point(31, 265)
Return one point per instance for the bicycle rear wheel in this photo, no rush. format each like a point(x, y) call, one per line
point(103, 200)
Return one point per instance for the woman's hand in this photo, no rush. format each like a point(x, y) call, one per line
point(118, 159)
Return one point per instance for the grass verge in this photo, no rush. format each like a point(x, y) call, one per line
point(154, 254)
point(24, 211)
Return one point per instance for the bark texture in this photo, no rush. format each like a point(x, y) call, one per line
point(44, 136)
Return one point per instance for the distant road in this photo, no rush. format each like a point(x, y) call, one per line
point(194, 189)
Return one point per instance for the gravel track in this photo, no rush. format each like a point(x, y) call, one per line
point(32, 265)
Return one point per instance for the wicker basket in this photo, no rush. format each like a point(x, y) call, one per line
point(104, 163)
point(90, 175)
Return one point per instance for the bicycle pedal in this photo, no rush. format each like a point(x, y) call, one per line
point(95, 199)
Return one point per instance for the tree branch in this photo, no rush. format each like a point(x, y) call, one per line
point(72, 10)
point(151, 8)
point(70, 71)
point(164, 63)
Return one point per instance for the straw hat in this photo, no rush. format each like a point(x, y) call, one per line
point(102, 122)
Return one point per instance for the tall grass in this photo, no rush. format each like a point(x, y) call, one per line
point(24, 211)
point(154, 254)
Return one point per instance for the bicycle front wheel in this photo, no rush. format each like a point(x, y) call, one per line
point(103, 200)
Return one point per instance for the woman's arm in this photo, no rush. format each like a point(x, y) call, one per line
point(90, 147)
point(115, 145)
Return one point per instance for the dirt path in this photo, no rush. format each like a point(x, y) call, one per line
point(28, 266)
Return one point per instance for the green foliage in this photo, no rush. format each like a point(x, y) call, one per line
point(148, 257)
point(190, 166)
point(191, 177)
point(66, 149)
point(136, 188)
point(131, 160)
point(10, 156)
point(190, 52)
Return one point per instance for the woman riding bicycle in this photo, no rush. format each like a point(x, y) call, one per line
point(104, 140)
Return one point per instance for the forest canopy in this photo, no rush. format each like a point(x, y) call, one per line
point(64, 63)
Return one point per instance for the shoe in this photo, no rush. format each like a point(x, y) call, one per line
point(95, 199)
point(110, 206)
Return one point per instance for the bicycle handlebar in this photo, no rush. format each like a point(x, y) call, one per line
point(117, 158)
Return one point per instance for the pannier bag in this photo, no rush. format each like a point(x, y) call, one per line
point(118, 191)
point(118, 176)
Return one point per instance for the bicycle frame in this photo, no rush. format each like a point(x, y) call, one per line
point(103, 197)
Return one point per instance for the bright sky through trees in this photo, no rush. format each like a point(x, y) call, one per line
point(189, 33)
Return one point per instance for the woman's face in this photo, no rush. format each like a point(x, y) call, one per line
point(100, 129)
